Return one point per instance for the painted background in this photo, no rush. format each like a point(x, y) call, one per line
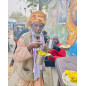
point(67, 32)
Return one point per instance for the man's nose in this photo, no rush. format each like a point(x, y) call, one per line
point(38, 28)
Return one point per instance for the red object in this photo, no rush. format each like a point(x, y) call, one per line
point(11, 64)
point(15, 30)
point(16, 42)
point(57, 54)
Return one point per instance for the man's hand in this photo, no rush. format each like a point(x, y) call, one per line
point(35, 44)
point(50, 56)
point(60, 47)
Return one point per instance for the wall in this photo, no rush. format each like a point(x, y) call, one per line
point(67, 32)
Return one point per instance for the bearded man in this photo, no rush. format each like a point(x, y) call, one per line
point(29, 72)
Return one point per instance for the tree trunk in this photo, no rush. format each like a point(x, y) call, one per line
point(40, 4)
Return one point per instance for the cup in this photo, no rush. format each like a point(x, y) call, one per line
point(40, 59)
point(50, 45)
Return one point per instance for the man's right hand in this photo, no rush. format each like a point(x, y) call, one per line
point(35, 44)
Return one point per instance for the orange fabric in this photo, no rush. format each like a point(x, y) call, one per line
point(37, 16)
point(38, 82)
point(21, 52)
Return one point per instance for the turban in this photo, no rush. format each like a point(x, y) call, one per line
point(37, 16)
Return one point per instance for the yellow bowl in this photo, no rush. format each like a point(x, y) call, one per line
point(65, 47)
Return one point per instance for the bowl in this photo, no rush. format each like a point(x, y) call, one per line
point(65, 47)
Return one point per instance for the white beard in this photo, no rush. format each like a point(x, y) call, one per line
point(38, 67)
point(37, 33)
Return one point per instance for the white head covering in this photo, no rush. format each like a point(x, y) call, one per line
point(55, 36)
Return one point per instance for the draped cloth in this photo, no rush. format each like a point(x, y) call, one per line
point(38, 82)
point(36, 67)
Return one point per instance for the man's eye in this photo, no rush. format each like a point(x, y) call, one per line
point(36, 25)
point(41, 26)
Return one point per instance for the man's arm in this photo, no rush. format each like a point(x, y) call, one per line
point(56, 47)
point(22, 52)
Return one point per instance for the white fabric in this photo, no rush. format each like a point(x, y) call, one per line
point(38, 67)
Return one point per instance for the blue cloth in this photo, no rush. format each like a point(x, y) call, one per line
point(73, 50)
point(12, 60)
point(56, 47)
point(49, 63)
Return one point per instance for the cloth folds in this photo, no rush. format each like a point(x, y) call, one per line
point(37, 68)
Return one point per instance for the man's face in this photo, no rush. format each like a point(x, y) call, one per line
point(37, 27)
point(55, 41)
point(20, 29)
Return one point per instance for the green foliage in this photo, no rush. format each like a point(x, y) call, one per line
point(59, 29)
point(32, 4)
point(18, 16)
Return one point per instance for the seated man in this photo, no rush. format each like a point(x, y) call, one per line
point(56, 52)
